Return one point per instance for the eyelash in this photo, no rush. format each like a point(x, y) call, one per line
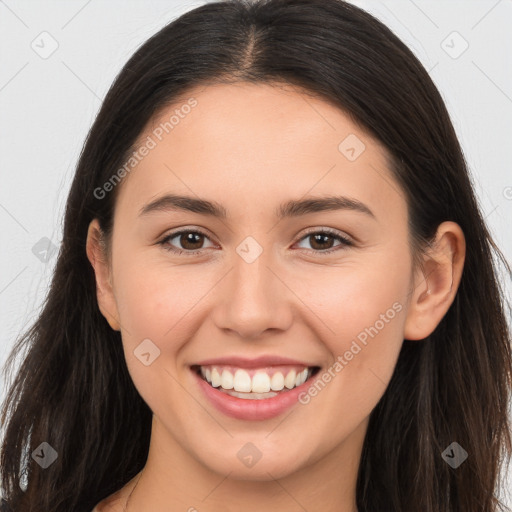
point(345, 242)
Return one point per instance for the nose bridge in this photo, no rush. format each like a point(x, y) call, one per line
point(253, 299)
point(253, 280)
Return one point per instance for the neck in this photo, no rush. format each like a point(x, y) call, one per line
point(172, 479)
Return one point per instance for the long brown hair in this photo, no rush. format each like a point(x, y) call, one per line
point(73, 389)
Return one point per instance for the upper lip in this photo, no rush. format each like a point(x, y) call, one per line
point(257, 362)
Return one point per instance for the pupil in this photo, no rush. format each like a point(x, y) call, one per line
point(318, 237)
point(195, 238)
point(188, 238)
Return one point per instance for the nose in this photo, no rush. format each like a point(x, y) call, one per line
point(253, 299)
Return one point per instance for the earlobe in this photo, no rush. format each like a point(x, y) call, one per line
point(104, 291)
point(436, 284)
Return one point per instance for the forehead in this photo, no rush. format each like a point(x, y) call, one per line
point(248, 143)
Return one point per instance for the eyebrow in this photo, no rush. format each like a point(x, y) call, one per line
point(292, 208)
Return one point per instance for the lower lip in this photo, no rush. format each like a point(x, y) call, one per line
point(252, 410)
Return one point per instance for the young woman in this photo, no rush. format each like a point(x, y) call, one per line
point(275, 289)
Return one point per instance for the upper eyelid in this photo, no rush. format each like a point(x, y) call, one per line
point(346, 238)
point(180, 231)
point(330, 231)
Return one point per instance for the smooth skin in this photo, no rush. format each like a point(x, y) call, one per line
point(251, 148)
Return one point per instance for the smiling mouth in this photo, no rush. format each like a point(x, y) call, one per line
point(255, 383)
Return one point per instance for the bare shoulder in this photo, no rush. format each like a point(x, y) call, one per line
point(115, 502)
point(110, 504)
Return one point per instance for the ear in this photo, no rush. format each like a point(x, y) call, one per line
point(436, 284)
point(96, 254)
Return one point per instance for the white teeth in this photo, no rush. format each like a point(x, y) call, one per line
point(301, 377)
point(289, 381)
point(242, 381)
point(261, 382)
point(226, 380)
point(215, 378)
point(277, 382)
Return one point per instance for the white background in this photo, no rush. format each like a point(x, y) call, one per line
point(48, 104)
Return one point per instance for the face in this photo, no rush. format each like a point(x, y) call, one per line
point(284, 275)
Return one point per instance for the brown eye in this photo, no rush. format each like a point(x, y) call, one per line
point(191, 241)
point(322, 241)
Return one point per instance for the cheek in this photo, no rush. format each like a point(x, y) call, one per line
point(364, 341)
point(363, 349)
point(360, 315)
point(362, 298)
point(155, 300)
point(156, 304)
point(165, 305)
